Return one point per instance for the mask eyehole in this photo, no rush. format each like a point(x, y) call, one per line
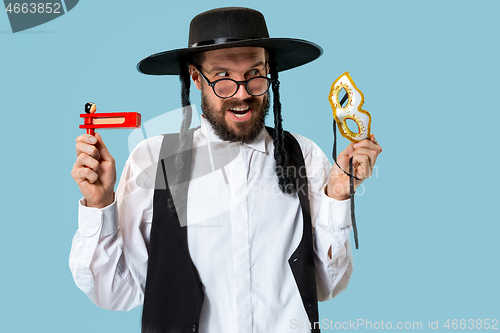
point(352, 126)
point(343, 98)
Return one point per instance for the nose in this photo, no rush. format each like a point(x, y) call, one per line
point(242, 92)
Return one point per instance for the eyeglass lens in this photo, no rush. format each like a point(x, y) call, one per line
point(255, 87)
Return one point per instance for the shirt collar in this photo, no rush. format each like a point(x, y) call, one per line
point(258, 144)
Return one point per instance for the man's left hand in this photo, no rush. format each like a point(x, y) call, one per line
point(364, 154)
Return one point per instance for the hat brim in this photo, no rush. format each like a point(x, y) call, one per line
point(289, 53)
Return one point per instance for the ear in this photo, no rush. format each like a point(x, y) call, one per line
point(195, 76)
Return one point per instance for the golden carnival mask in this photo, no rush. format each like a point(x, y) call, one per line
point(351, 110)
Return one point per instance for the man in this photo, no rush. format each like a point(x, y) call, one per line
point(242, 248)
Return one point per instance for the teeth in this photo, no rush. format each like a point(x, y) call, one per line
point(240, 112)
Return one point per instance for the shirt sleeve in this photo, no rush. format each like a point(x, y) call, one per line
point(332, 247)
point(331, 224)
point(109, 252)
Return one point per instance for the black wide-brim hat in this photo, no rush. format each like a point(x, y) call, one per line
point(231, 27)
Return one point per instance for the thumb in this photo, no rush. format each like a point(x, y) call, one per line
point(103, 150)
point(343, 158)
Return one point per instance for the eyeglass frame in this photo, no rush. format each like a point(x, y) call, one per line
point(238, 83)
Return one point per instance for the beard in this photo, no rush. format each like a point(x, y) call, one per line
point(249, 130)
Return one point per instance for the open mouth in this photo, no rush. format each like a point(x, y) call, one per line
point(240, 112)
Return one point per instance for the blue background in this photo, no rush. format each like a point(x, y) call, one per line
point(427, 220)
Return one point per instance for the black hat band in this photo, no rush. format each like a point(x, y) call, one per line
point(219, 41)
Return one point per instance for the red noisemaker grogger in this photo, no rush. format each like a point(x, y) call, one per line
point(94, 120)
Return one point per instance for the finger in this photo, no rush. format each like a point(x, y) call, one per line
point(344, 156)
point(80, 175)
point(343, 161)
point(88, 149)
point(348, 152)
point(103, 150)
point(84, 160)
point(369, 145)
point(361, 166)
point(372, 155)
point(374, 140)
point(86, 138)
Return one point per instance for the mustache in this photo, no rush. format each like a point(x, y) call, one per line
point(251, 102)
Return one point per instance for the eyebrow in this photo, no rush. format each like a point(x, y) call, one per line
point(219, 68)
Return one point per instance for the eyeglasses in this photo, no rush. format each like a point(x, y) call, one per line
point(226, 88)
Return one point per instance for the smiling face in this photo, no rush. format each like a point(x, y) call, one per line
point(239, 118)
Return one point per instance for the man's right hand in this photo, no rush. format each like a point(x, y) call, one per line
point(94, 171)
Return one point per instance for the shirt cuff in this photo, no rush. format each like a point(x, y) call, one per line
point(91, 220)
point(338, 211)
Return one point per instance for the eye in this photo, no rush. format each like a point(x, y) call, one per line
point(253, 72)
point(222, 74)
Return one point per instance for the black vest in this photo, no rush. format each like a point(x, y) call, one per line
point(174, 291)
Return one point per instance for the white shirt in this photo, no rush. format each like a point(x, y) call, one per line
point(241, 232)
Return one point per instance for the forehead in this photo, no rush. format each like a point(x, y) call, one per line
point(233, 57)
